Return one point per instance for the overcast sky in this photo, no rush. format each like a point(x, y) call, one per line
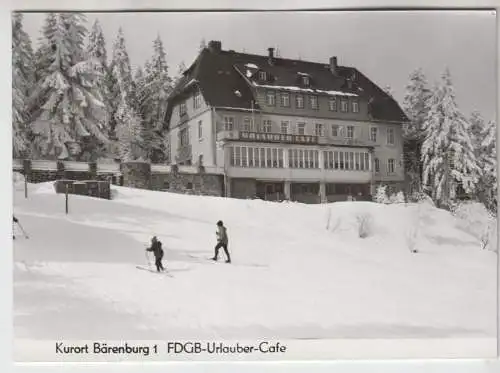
point(385, 46)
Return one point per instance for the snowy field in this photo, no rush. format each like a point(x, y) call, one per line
point(291, 277)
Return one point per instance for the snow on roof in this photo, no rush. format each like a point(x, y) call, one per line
point(306, 90)
point(251, 66)
point(235, 108)
point(249, 74)
point(304, 74)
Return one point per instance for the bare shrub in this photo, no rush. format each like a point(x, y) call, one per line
point(364, 225)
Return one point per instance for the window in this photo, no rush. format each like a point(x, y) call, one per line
point(200, 130)
point(355, 106)
point(285, 125)
point(335, 130)
point(301, 128)
point(262, 75)
point(197, 100)
point(247, 124)
point(390, 136)
point(184, 137)
point(303, 158)
point(182, 109)
point(166, 185)
point(320, 130)
point(350, 132)
point(373, 134)
point(267, 126)
point(314, 102)
point(270, 98)
point(390, 166)
point(285, 99)
point(228, 123)
point(299, 101)
point(344, 105)
point(332, 104)
point(305, 80)
point(189, 185)
point(377, 165)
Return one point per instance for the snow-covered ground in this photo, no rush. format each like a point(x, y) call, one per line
point(291, 277)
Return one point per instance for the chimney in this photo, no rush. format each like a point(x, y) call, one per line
point(214, 46)
point(333, 65)
point(271, 55)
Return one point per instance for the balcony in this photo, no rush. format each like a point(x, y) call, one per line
point(248, 136)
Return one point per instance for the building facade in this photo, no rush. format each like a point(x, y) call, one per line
point(285, 129)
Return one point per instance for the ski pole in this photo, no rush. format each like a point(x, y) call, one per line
point(22, 230)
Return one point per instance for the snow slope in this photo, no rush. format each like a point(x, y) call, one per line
point(291, 277)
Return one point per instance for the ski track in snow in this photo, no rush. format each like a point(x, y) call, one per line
point(291, 278)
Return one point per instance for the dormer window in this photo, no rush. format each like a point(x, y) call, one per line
point(305, 81)
point(262, 75)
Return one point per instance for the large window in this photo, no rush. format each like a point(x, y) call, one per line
point(303, 158)
point(346, 160)
point(355, 106)
point(314, 102)
point(344, 105)
point(390, 136)
point(301, 128)
point(299, 101)
point(200, 130)
point(285, 127)
point(184, 137)
point(197, 100)
point(285, 99)
point(228, 123)
point(377, 165)
point(332, 104)
point(182, 108)
point(267, 126)
point(335, 130)
point(247, 124)
point(270, 98)
point(391, 166)
point(373, 134)
point(248, 156)
point(319, 129)
point(350, 132)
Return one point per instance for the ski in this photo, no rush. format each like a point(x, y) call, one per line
point(166, 273)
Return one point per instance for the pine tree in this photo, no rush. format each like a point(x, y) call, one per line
point(477, 128)
point(23, 76)
point(119, 81)
point(129, 133)
point(155, 88)
point(180, 71)
point(96, 49)
point(416, 107)
point(447, 154)
point(71, 108)
point(487, 184)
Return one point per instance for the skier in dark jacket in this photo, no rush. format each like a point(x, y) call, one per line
point(158, 253)
point(14, 221)
point(222, 241)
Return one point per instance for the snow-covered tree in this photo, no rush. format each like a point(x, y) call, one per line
point(447, 153)
point(381, 194)
point(154, 90)
point(487, 184)
point(416, 107)
point(23, 76)
point(119, 82)
point(96, 49)
point(203, 45)
point(389, 91)
point(180, 71)
point(128, 133)
point(70, 106)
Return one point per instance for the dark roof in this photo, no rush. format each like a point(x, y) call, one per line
point(221, 74)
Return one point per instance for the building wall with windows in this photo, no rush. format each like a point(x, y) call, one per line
point(303, 104)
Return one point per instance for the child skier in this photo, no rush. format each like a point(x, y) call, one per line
point(158, 253)
point(222, 241)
